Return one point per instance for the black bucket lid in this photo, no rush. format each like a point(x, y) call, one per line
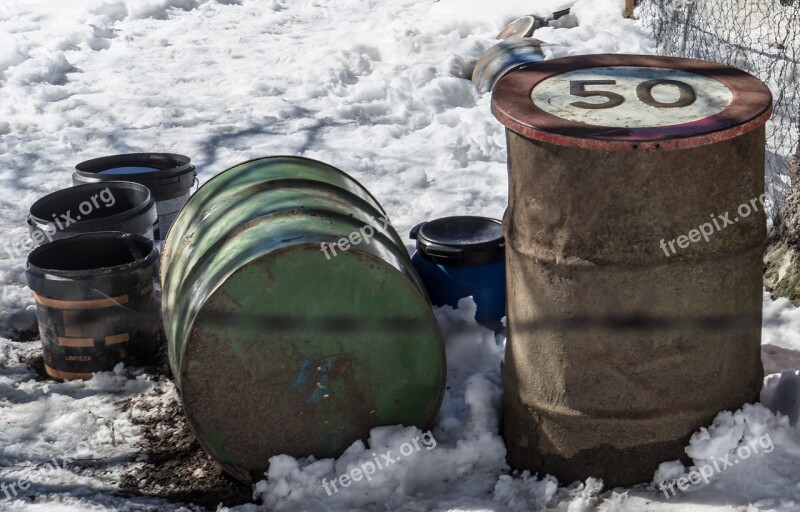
point(461, 240)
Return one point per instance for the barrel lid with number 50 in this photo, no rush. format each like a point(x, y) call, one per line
point(638, 102)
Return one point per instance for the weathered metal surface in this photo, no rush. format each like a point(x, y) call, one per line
point(504, 57)
point(627, 113)
point(618, 352)
point(523, 26)
point(277, 348)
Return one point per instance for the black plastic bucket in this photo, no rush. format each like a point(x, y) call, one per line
point(95, 302)
point(109, 206)
point(168, 176)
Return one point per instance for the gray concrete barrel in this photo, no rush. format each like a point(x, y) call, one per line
point(634, 233)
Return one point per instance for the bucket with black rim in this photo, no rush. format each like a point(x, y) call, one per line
point(109, 206)
point(95, 302)
point(168, 176)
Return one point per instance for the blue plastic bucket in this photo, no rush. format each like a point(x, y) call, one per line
point(464, 256)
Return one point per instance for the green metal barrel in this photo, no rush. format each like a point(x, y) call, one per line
point(296, 321)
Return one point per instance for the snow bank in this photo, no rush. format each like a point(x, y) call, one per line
point(381, 90)
point(600, 30)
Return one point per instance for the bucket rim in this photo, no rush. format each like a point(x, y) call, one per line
point(147, 204)
point(150, 256)
point(161, 162)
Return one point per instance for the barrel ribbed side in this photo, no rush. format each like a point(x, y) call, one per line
point(267, 331)
point(618, 351)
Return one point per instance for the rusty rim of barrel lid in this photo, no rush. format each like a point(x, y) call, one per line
point(513, 105)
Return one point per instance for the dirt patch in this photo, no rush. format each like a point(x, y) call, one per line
point(782, 256)
point(24, 335)
point(782, 271)
point(36, 363)
point(172, 465)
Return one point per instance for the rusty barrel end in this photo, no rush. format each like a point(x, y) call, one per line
point(280, 347)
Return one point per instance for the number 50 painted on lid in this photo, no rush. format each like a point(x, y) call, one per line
point(631, 102)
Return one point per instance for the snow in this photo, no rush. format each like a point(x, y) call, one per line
point(381, 90)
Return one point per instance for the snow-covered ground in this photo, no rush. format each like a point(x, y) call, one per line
point(381, 90)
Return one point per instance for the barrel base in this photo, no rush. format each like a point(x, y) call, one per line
point(609, 373)
point(533, 438)
point(316, 361)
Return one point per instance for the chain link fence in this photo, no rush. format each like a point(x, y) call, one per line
point(759, 36)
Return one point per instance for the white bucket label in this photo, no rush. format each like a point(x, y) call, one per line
point(631, 97)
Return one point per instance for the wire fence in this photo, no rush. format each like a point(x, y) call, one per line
point(759, 36)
